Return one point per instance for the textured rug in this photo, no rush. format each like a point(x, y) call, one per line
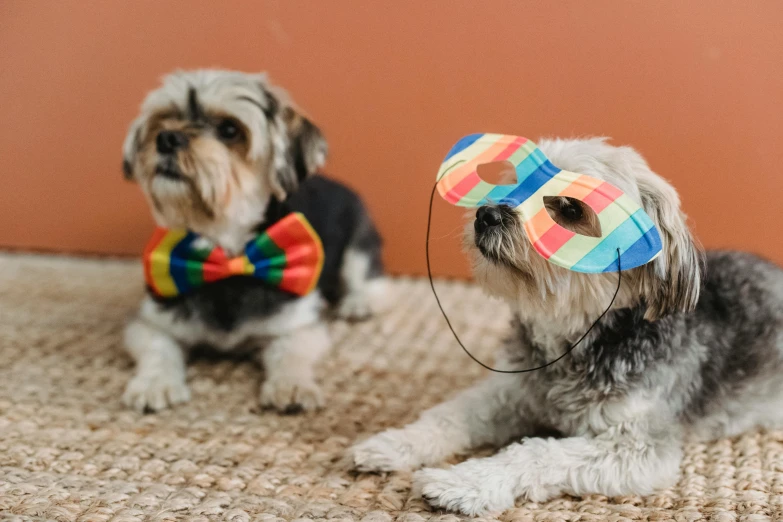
point(70, 451)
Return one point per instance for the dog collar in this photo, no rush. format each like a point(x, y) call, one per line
point(289, 255)
point(625, 226)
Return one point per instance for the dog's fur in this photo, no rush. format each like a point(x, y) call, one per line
point(242, 157)
point(691, 345)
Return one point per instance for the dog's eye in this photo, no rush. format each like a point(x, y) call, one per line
point(228, 130)
point(571, 211)
point(573, 215)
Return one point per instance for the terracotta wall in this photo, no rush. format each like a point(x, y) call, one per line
point(696, 86)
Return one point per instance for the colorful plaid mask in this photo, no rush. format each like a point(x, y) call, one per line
point(624, 224)
point(288, 255)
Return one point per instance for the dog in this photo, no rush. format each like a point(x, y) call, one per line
point(226, 155)
point(693, 344)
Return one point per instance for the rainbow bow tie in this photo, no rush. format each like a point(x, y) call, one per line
point(288, 255)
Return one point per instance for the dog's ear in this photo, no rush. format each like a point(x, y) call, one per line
point(298, 146)
point(131, 147)
point(307, 146)
point(672, 281)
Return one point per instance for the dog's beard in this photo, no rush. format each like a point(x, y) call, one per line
point(200, 186)
point(506, 266)
point(496, 246)
point(499, 247)
point(499, 262)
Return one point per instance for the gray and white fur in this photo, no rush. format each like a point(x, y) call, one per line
point(226, 155)
point(692, 345)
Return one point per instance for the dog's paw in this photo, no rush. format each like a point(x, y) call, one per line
point(463, 489)
point(290, 395)
point(391, 450)
point(364, 302)
point(355, 306)
point(155, 391)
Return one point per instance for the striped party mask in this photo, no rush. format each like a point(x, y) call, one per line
point(288, 255)
point(625, 226)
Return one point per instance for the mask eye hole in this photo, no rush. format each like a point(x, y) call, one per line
point(573, 215)
point(498, 173)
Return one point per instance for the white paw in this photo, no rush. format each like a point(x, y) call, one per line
point(355, 306)
point(291, 395)
point(391, 450)
point(156, 391)
point(466, 489)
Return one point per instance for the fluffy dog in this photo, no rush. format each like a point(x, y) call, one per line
point(225, 155)
point(693, 344)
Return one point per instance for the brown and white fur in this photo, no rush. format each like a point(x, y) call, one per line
point(692, 344)
point(225, 155)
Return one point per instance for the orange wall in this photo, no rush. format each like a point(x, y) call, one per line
point(696, 86)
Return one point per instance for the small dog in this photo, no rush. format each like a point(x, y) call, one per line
point(683, 350)
point(225, 155)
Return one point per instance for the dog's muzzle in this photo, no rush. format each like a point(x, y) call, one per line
point(169, 170)
point(491, 224)
point(168, 142)
point(486, 218)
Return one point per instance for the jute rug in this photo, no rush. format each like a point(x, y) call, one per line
point(70, 451)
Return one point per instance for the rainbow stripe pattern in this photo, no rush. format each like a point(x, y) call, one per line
point(624, 224)
point(288, 255)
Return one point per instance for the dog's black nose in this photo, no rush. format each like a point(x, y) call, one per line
point(169, 141)
point(486, 217)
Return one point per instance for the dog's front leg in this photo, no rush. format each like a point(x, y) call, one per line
point(491, 412)
point(621, 461)
point(290, 361)
point(160, 368)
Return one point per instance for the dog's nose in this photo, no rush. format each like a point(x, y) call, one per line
point(486, 217)
point(169, 141)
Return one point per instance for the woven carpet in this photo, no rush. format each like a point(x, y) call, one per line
point(70, 451)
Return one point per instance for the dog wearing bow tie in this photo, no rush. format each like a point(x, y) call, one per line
point(252, 244)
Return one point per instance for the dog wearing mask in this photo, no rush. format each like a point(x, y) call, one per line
point(692, 344)
point(228, 157)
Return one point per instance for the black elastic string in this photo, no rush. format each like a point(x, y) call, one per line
point(432, 285)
